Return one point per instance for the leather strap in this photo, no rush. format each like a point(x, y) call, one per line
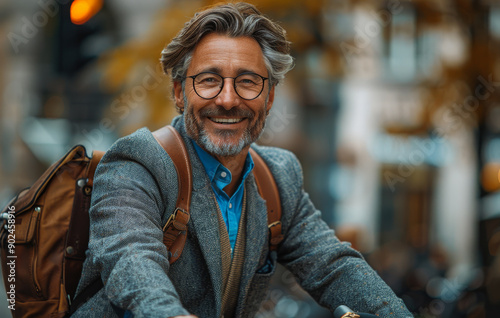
point(76, 238)
point(175, 230)
point(269, 192)
point(96, 158)
point(78, 235)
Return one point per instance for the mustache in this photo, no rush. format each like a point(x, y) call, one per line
point(222, 112)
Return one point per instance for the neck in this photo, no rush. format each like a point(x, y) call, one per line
point(235, 165)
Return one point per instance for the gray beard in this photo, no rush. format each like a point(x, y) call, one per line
point(221, 148)
point(218, 147)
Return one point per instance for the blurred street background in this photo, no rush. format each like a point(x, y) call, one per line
point(393, 108)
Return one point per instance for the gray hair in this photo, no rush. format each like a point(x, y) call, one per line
point(234, 20)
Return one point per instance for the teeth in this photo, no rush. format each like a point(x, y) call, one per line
point(227, 120)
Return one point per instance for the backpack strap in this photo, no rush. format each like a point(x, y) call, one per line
point(78, 235)
point(175, 230)
point(269, 192)
point(78, 231)
point(96, 158)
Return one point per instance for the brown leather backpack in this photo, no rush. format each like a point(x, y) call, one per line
point(45, 230)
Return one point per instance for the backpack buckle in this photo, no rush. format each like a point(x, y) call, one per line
point(178, 220)
point(276, 234)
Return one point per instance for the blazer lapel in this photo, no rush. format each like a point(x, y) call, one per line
point(257, 236)
point(206, 229)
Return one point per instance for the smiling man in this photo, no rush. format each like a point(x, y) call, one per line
point(225, 64)
point(227, 101)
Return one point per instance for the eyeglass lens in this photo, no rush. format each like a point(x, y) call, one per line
point(247, 85)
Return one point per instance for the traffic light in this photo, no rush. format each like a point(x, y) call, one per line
point(80, 26)
point(82, 10)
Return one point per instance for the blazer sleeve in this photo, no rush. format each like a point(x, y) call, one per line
point(126, 217)
point(329, 270)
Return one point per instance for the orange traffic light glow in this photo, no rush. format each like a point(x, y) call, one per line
point(82, 10)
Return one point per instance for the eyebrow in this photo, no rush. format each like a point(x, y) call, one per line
point(215, 69)
point(218, 70)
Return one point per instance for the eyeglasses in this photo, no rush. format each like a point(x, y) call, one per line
point(247, 85)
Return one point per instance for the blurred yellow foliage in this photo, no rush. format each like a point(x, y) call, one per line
point(127, 67)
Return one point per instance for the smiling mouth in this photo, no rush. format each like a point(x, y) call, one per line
point(226, 121)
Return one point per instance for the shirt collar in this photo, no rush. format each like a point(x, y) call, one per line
point(214, 168)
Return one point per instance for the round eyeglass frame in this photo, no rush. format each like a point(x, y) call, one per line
point(223, 82)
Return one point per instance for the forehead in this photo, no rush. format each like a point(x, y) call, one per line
point(227, 55)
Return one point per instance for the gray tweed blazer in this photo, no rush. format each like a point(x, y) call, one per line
point(135, 191)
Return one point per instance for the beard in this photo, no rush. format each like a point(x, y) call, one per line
point(220, 143)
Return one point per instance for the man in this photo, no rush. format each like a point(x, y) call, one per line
point(225, 64)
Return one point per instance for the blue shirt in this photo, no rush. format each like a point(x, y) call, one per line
point(220, 177)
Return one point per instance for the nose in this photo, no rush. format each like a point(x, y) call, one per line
point(228, 98)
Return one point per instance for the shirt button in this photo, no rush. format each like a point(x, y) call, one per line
point(223, 174)
point(230, 205)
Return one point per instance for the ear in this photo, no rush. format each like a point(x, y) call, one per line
point(270, 99)
point(179, 98)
